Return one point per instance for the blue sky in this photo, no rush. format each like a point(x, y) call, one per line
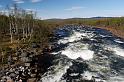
point(70, 8)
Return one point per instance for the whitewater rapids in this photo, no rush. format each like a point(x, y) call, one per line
point(86, 53)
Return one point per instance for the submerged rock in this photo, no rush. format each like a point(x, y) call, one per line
point(73, 63)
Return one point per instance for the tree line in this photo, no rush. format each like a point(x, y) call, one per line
point(19, 25)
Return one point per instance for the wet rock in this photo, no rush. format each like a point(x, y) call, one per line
point(27, 64)
point(75, 71)
point(44, 61)
point(35, 45)
point(25, 59)
point(31, 80)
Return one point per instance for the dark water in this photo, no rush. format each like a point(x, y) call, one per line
point(86, 53)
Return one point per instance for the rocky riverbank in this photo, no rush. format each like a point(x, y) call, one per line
point(30, 67)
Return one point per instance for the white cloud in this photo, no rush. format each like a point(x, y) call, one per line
point(29, 9)
point(11, 7)
point(108, 10)
point(35, 1)
point(74, 8)
point(18, 1)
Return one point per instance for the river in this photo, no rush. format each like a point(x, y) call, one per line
point(86, 54)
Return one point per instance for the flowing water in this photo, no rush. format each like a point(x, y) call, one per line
point(86, 53)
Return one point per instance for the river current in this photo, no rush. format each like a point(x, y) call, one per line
point(86, 54)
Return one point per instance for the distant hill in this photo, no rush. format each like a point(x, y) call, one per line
point(100, 17)
point(53, 20)
point(57, 19)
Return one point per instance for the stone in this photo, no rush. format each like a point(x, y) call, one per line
point(25, 59)
point(27, 64)
point(35, 45)
point(31, 80)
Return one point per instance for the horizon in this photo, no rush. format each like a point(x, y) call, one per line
point(84, 17)
point(64, 9)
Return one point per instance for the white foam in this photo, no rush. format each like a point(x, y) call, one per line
point(77, 50)
point(116, 79)
point(74, 74)
point(116, 49)
point(57, 74)
point(85, 54)
point(119, 51)
point(118, 41)
point(87, 75)
point(54, 53)
point(103, 36)
point(75, 37)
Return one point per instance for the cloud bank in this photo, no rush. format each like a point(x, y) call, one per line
point(18, 1)
point(74, 8)
point(35, 1)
